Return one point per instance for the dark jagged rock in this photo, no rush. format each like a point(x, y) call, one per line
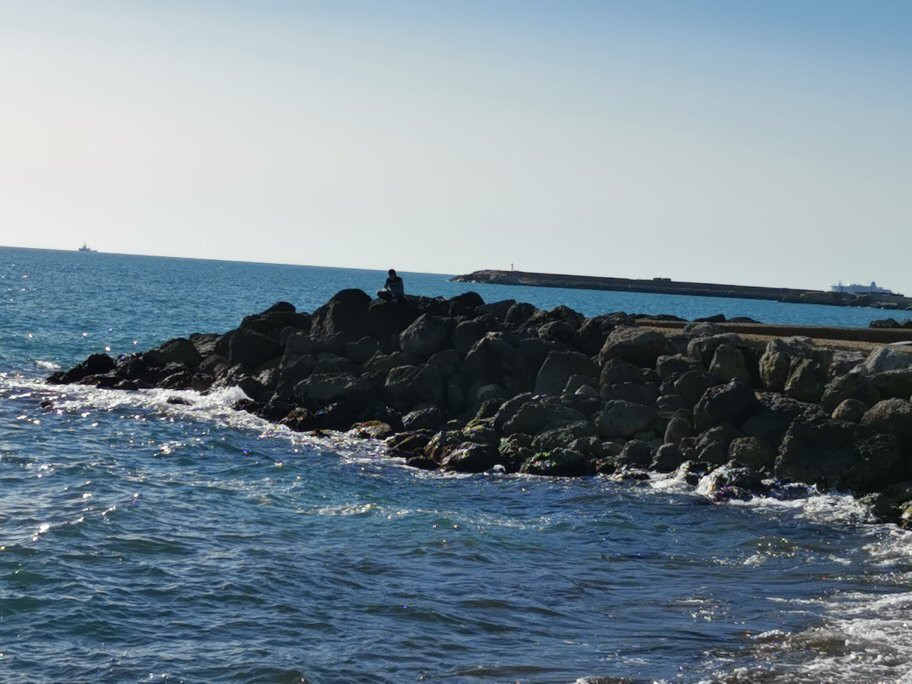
point(449, 384)
point(345, 313)
point(734, 402)
point(639, 346)
point(559, 367)
point(560, 462)
point(827, 452)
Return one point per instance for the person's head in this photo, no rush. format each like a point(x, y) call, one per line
point(392, 273)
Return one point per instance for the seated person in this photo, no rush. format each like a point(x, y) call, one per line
point(393, 289)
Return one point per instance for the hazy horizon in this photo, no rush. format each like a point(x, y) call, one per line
point(739, 143)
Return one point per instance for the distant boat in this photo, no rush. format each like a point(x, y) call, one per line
point(86, 248)
point(855, 288)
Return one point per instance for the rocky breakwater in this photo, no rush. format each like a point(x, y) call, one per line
point(466, 386)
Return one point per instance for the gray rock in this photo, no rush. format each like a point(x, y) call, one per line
point(430, 418)
point(826, 453)
point(345, 313)
point(635, 454)
point(251, 348)
point(633, 392)
point(693, 385)
point(362, 350)
point(179, 350)
point(753, 452)
point(677, 429)
point(851, 386)
point(427, 335)
point(381, 362)
point(850, 410)
point(893, 416)
point(895, 384)
point(624, 419)
point(676, 364)
point(408, 386)
point(806, 380)
point(888, 359)
point(562, 436)
point(536, 415)
point(559, 367)
point(667, 458)
point(576, 382)
point(470, 457)
point(702, 349)
point(559, 463)
point(728, 364)
point(331, 363)
point(509, 409)
point(734, 402)
point(320, 389)
point(776, 362)
point(639, 346)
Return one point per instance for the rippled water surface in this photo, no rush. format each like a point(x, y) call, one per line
point(142, 540)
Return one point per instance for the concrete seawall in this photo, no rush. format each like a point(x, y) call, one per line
point(667, 286)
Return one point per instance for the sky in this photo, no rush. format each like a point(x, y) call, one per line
point(750, 142)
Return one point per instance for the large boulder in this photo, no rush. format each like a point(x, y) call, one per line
point(509, 409)
point(467, 333)
point(276, 318)
point(93, 365)
point(850, 386)
point(344, 313)
point(778, 360)
point(733, 402)
point(536, 414)
point(251, 349)
point(703, 349)
point(494, 359)
point(563, 435)
point(887, 359)
point(728, 364)
point(893, 383)
point(829, 454)
point(408, 386)
point(464, 304)
point(179, 350)
point(617, 371)
point(322, 389)
point(806, 380)
point(752, 452)
point(559, 367)
point(470, 457)
point(637, 345)
point(775, 415)
point(692, 385)
point(387, 319)
point(675, 365)
point(559, 462)
point(427, 335)
point(893, 416)
point(646, 393)
point(624, 419)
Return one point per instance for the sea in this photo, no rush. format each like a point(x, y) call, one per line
point(147, 541)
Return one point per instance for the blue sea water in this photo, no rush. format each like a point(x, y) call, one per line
point(143, 540)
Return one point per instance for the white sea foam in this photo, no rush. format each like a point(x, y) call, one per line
point(47, 365)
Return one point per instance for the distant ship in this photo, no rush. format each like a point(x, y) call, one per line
point(85, 248)
point(855, 288)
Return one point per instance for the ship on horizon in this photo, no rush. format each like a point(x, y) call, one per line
point(855, 288)
point(85, 248)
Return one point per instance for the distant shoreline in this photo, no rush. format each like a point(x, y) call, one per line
point(668, 286)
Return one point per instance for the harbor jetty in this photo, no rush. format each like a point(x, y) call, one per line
point(668, 286)
point(462, 385)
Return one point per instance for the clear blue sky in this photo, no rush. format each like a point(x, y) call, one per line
point(748, 142)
